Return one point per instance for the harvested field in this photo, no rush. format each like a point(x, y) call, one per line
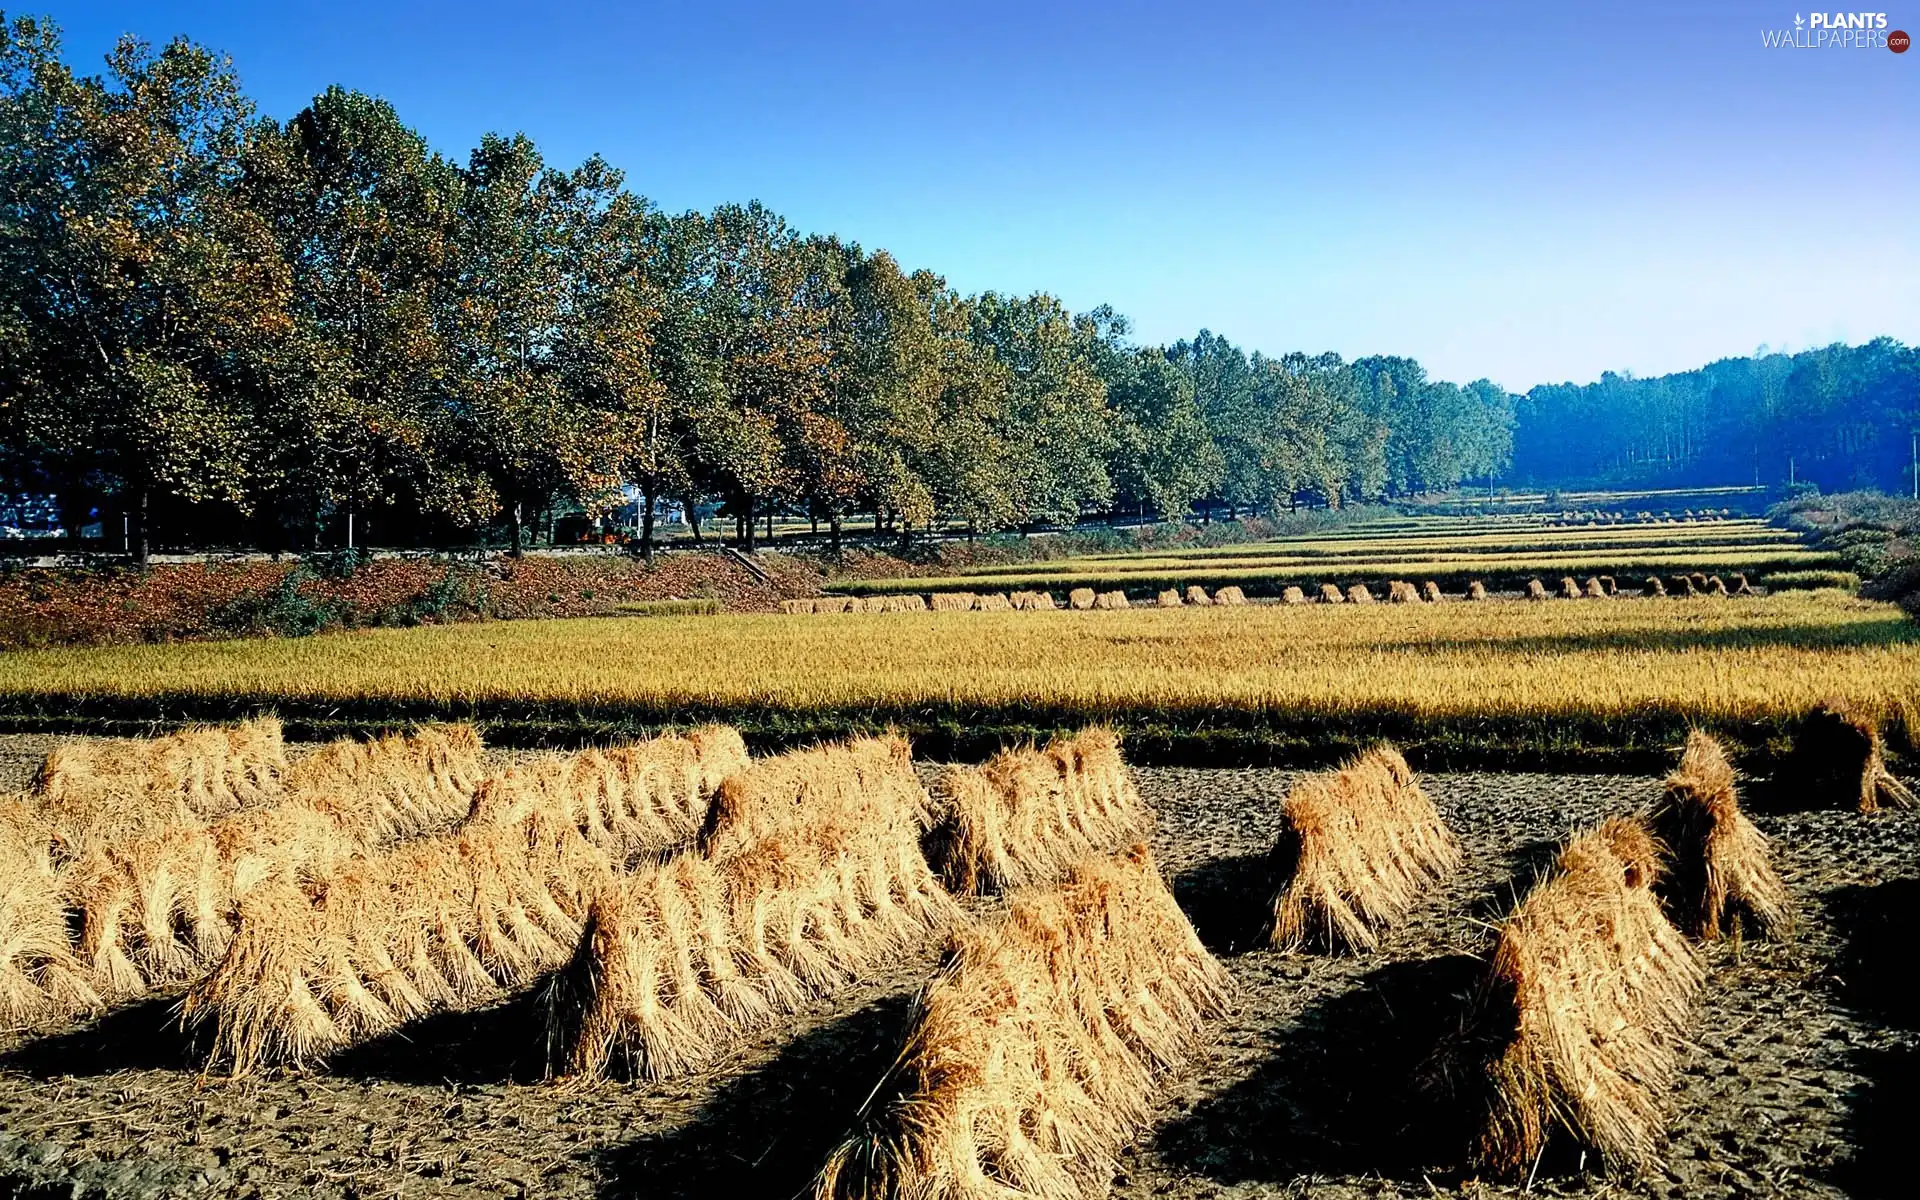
point(1798, 1083)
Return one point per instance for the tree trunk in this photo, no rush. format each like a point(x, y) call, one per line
point(833, 530)
point(646, 520)
point(693, 521)
point(769, 526)
point(746, 523)
point(143, 545)
point(517, 522)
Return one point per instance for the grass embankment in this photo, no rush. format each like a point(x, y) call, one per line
point(1607, 684)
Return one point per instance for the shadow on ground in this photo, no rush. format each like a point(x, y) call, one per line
point(138, 1037)
point(1338, 1094)
point(1229, 901)
point(767, 1132)
point(503, 1044)
point(1877, 973)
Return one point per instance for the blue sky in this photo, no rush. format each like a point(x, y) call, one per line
point(1531, 193)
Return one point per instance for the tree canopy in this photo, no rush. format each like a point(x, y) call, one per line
point(225, 328)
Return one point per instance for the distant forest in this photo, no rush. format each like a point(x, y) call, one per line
point(220, 329)
point(1841, 418)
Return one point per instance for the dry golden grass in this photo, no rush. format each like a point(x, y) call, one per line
point(1033, 1058)
point(1027, 815)
point(1718, 879)
point(1736, 662)
point(1582, 1012)
point(1357, 848)
point(1839, 759)
point(683, 959)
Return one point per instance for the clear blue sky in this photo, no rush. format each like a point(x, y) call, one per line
point(1531, 192)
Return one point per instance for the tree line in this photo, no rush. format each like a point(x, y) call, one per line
point(1839, 418)
point(221, 328)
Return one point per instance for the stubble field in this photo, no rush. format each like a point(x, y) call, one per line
point(1802, 1057)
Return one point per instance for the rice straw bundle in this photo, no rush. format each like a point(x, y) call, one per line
point(951, 601)
point(1169, 598)
point(402, 785)
point(1595, 590)
point(1536, 590)
point(1476, 590)
point(1229, 595)
point(40, 976)
point(1586, 1002)
point(1399, 591)
point(1197, 595)
point(1357, 848)
point(1293, 595)
point(1430, 591)
point(682, 960)
point(1741, 587)
point(1080, 599)
point(791, 607)
point(456, 920)
point(993, 602)
point(864, 779)
point(1114, 599)
point(1032, 601)
point(1569, 590)
point(449, 922)
point(1027, 815)
point(156, 909)
point(1034, 1057)
point(640, 798)
point(1653, 587)
point(116, 787)
point(1719, 878)
point(1840, 759)
point(1716, 586)
point(1331, 594)
point(1358, 594)
point(1610, 584)
point(1683, 586)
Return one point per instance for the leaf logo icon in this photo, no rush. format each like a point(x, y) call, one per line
point(1797, 21)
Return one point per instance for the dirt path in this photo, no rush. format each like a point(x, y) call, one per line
point(1804, 1066)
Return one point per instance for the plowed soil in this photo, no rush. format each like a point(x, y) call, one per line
point(1801, 1081)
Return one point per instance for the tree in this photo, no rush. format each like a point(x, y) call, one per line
point(363, 215)
point(141, 290)
point(1165, 458)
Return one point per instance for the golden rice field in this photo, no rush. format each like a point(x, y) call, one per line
point(1561, 675)
point(1501, 553)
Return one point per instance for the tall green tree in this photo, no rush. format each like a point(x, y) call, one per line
point(363, 214)
point(140, 289)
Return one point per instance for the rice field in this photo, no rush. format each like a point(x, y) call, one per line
point(1499, 552)
point(1580, 679)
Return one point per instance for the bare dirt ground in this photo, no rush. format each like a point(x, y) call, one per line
point(1801, 1082)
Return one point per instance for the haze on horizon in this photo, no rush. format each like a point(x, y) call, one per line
point(1528, 193)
